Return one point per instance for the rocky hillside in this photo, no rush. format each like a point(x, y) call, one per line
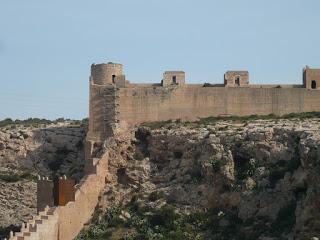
point(52, 149)
point(213, 180)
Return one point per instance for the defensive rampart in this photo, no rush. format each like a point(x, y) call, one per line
point(144, 104)
point(65, 222)
point(115, 102)
point(118, 102)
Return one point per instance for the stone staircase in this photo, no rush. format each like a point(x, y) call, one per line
point(42, 222)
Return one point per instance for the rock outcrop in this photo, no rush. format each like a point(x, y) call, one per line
point(25, 152)
point(220, 180)
point(262, 176)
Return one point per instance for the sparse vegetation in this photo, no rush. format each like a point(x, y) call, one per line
point(245, 167)
point(216, 163)
point(212, 120)
point(160, 224)
point(156, 195)
point(166, 223)
point(36, 122)
point(15, 177)
point(156, 125)
point(285, 220)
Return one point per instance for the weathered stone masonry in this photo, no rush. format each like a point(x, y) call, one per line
point(128, 103)
point(115, 102)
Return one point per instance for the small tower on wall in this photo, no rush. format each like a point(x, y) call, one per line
point(108, 73)
point(105, 81)
point(311, 78)
point(236, 79)
point(173, 78)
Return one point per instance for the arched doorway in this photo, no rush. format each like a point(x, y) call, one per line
point(313, 84)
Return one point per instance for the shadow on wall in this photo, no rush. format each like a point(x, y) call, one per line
point(4, 232)
point(61, 152)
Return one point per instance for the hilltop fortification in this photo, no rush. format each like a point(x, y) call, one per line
point(64, 208)
point(115, 101)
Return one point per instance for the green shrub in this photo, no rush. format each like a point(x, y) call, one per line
point(276, 174)
point(99, 229)
point(285, 219)
point(15, 177)
point(195, 174)
point(245, 167)
point(212, 120)
point(216, 163)
point(156, 195)
point(157, 125)
point(165, 217)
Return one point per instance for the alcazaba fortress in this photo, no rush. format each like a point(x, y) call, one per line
point(115, 103)
point(114, 100)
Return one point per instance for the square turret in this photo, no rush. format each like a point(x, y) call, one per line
point(236, 79)
point(173, 78)
point(311, 78)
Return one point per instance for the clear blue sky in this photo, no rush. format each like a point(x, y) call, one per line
point(47, 47)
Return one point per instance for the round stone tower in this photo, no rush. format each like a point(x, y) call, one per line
point(105, 73)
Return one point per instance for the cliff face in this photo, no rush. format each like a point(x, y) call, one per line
point(219, 180)
point(207, 180)
point(26, 151)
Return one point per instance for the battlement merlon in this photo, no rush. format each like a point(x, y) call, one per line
point(115, 102)
point(173, 78)
point(112, 75)
point(311, 78)
point(236, 79)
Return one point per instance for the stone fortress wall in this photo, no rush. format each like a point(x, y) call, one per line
point(174, 99)
point(65, 222)
point(115, 103)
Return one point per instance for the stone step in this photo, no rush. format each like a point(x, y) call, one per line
point(51, 211)
point(38, 221)
point(32, 228)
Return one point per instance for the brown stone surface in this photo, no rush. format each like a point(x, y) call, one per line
point(173, 78)
point(103, 74)
point(236, 79)
point(44, 194)
point(64, 191)
point(311, 78)
point(112, 104)
point(137, 105)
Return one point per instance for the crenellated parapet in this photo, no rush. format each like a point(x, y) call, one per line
point(44, 225)
point(115, 102)
point(73, 205)
point(311, 78)
point(56, 192)
point(173, 78)
point(236, 79)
